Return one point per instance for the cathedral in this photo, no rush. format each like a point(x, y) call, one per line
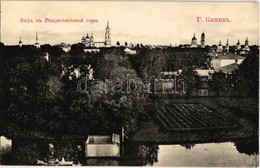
point(242, 49)
point(88, 41)
point(194, 41)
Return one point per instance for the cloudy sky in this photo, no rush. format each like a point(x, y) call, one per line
point(137, 22)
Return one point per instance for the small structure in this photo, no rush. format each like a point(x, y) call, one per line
point(204, 72)
point(103, 146)
point(4, 142)
point(129, 51)
point(91, 50)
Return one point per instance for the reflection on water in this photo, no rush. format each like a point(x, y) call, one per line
point(240, 153)
point(140, 155)
point(208, 154)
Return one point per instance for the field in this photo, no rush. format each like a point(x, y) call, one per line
point(191, 117)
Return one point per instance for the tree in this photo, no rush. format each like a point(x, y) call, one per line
point(191, 80)
point(219, 83)
point(36, 103)
point(249, 71)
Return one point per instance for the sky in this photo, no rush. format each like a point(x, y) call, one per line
point(161, 23)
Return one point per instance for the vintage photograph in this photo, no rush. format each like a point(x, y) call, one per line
point(129, 83)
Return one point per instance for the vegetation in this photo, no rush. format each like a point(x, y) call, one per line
point(38, 102)
point(39, 99)
point(190, 117)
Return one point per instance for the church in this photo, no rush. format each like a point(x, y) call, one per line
point(194, 41)
point(89, 41)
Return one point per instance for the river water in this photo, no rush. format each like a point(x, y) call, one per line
point(228, 154)
point(208, 154)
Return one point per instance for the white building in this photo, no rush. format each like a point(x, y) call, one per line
point(103, 146)
point(228, 69)
point(129, 51)
point(204, 72)
point(223, 59)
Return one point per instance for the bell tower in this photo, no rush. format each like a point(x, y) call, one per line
point(37, 44)
point(108, 36)
point(202, 42)
point(227, 47)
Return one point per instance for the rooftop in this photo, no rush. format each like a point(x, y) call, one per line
point(228, 68)
point(224, 55)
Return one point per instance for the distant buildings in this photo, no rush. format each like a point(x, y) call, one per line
point(242, 49)
point(194, 41)
point(222, 60)
point(20, 42)
point(219, 47)
point(37, 44)
point(65, 47)
point(88, 41)
point(227, 47)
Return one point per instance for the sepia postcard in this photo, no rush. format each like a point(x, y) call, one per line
point(129, 83)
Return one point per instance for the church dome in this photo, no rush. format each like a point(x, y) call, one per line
point(203, 34)
point(194, 38)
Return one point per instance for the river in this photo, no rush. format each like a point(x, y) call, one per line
point(228, 154)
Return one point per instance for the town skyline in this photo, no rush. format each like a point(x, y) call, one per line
point(139, 25)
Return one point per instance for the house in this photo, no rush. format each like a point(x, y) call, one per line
point(220, 59)
point(204, 72)
point(129, 51)
point(103, 146)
